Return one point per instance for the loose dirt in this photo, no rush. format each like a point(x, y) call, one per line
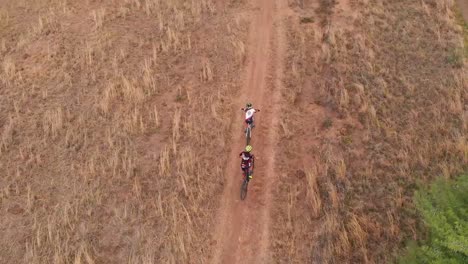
point(243, 226)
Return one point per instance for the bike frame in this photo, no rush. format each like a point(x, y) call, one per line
point(248, 171)
point(245, 181)
point(248, 132)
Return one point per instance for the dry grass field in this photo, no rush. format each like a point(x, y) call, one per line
point(110, 112)
point(376, 102)
point(118, 127)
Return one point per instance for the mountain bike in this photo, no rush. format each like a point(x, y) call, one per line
point(249, 125)
point(245, 182)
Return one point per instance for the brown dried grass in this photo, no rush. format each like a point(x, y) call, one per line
point(393, 90)
point(104, 135)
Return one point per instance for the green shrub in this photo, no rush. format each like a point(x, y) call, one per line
point(444, 209)
point(455, 58)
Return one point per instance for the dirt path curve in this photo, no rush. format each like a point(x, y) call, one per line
point(242, 231)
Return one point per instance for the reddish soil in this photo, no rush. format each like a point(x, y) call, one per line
point(242, 234)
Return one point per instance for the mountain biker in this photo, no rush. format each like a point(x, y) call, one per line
point(247, 161)
point(249, 114)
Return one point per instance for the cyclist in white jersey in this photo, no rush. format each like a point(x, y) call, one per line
point(249, 114)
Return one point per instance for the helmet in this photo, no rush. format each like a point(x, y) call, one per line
point(248, 148)
point(248, 105)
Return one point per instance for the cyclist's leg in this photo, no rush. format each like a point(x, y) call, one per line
point(250, 122)
point(250, 173)
point(244, 169)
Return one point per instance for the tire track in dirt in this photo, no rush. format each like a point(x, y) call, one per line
point(242, 232)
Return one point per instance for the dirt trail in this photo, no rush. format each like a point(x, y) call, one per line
point(242, 231)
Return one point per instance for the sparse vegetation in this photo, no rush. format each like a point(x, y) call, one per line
point(327, 123)
point(307, 20)
point(379, 71)
point(456, 57)
point(464, 26)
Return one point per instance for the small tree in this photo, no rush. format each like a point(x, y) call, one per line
point(444, 208)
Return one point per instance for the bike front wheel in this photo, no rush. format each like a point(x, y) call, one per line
point(248, 133)
point(243, 191)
